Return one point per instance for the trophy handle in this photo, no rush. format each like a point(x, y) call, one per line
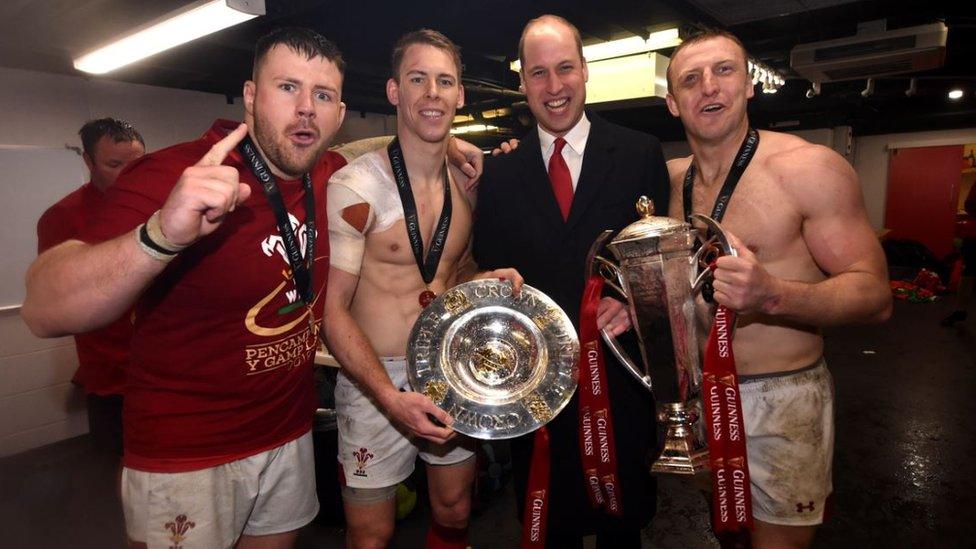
point(599, 265)
point(711, 249)
point(610, 272)
point(625, 359)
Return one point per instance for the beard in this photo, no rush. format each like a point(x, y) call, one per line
point(291, 160)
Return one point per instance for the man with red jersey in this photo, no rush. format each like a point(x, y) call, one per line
point(214, 243)
point(109, 145)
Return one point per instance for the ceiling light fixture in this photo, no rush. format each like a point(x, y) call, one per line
point(955, 94)
point(868, 89)
point(189, 23)
point(770, 79)
point(638, 77)
point(624, 47)
point(473, 128)
point(814, 90)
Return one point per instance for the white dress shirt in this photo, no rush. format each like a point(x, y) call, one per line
point(572, 152)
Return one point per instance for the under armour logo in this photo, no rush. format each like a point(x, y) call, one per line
point(800, 507)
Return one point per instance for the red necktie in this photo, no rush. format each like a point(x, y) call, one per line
point(562, 182)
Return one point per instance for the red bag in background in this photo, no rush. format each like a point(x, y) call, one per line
point(930, 281)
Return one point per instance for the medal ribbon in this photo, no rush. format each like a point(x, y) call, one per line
point(428, 267)
point(731, 497)
point(742, 158)
point(301, 267)
point(536, 514)
point(597, 447)
point(731, 492)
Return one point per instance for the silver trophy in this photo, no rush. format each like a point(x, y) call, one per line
point(501, 365)
point(659, 274)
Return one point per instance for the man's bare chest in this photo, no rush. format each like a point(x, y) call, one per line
point(393, 244)
point(758, 212)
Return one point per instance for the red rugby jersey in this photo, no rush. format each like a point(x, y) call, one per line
point(221, 363)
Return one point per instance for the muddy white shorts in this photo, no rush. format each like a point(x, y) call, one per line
point(373, 452)
point(789, 420)
point(267, 493)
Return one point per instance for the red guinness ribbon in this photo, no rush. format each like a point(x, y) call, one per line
point(731, 498)
point(537, 493)
point(597, 449)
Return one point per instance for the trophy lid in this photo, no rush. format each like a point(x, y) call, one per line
point(649, 226)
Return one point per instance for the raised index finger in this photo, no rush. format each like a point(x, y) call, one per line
point(216, 155)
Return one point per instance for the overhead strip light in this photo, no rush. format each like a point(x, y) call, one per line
point(189, 23)
point(624, 47)
point(473, 128)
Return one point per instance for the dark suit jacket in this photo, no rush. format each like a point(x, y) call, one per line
point(518, 224)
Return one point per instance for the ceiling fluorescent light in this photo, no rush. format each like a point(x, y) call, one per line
point(473, 128)
point(189, 23)
point(624, 47)
point(667, 38)
point(495, 113)
point(614, 48)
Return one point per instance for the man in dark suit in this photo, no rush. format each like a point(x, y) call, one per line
point(539, 210)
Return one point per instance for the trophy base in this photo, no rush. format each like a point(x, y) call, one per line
point(684, 451)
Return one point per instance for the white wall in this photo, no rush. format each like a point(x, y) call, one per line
point(38, 403)
point(44, 109)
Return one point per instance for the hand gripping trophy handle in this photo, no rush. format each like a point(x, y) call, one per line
point(612, 276)
point(711, 249)
point(658, 272)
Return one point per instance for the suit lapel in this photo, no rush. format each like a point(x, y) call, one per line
point(593, 174)
point(536, 179)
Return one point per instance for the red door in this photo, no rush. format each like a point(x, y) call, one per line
point(923, 194)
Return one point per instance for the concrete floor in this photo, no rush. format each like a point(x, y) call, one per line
point(905, 431)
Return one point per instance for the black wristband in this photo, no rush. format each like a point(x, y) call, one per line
point(149, 243)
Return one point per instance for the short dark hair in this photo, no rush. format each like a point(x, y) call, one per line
point(540, 19)
point(701, 35)
point(118, 130)
point(299, 40)
point(426, 37)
